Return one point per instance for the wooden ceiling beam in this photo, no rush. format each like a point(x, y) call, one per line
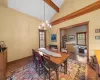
point(78, 13)
point(49, 2)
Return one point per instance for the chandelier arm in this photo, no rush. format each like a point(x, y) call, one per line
point(44, 23)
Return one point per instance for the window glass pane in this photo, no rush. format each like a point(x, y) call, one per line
point(81, 38)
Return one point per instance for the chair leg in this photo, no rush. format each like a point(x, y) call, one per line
point(36, 66)
point(57, 74)
point(49, 74)
point(65, 67)
point(44, 74)
point(39, 70)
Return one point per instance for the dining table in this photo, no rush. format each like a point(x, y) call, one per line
point(58, 60)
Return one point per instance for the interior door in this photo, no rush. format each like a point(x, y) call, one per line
point(42, 38)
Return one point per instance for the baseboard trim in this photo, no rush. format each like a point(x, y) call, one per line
point(19, 59)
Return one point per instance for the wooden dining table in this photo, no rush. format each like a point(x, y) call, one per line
point(59, 60)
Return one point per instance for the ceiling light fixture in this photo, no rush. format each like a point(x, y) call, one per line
point(45, 24)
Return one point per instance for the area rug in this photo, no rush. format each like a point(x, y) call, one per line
point(75, 71)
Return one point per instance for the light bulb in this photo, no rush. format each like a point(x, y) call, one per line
point(43, 24)
point(39, 27)
point(47, 22)
point(50, 26)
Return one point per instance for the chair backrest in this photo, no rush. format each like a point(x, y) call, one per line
point(33, 52)
point(47, 62)
point(37, 56)
point(46, 59)
point(46, 56)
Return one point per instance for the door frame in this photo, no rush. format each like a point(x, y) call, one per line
point(44, 37)
point(79, 25)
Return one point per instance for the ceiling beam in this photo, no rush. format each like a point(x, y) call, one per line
point(49, 2)
point(85, 10)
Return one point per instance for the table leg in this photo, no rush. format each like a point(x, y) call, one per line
point(57, 73)
point(65, 67)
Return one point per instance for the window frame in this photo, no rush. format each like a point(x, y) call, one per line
point(81, 39)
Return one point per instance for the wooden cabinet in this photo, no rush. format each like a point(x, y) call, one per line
point(3, 61)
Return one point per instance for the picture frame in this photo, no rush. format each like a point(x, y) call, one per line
point(97, 37)
point(97, 30)
point(53, 37)
point(71, 37)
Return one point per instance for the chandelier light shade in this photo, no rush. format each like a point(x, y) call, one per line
point(45, 24)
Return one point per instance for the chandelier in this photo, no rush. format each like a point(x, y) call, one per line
point(45, 24)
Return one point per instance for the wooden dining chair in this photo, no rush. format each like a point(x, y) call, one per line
point(33, 53)
point(38, 61)
point(49, 66)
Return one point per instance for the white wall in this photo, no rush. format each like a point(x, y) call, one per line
point(73, 31)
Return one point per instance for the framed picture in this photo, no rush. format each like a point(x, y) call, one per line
point(97, 30)
point(53, 38)
point(97, 37)
point(71, 37)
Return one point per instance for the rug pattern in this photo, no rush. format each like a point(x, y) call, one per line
point(76, 71)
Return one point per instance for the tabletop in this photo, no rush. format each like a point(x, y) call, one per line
point(58, 60)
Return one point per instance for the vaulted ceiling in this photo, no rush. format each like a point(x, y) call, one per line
point(35, 8)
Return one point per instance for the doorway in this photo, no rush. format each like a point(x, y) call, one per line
point(80, 38)
point(42, 38)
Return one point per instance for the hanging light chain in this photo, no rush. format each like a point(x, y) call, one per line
point(45, 22)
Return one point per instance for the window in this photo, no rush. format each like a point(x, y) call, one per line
point(81, 38)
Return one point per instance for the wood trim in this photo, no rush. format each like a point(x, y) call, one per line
point(19, 59)
point(87, 42)
point(49, 2)
point(78, 25)
point(80, 12)
point(60, 40)
point(75, 25)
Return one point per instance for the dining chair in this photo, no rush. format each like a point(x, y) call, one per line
point(49, 66)
point(33, 52)
point(38, 61)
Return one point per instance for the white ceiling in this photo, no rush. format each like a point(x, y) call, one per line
point(35, 8)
